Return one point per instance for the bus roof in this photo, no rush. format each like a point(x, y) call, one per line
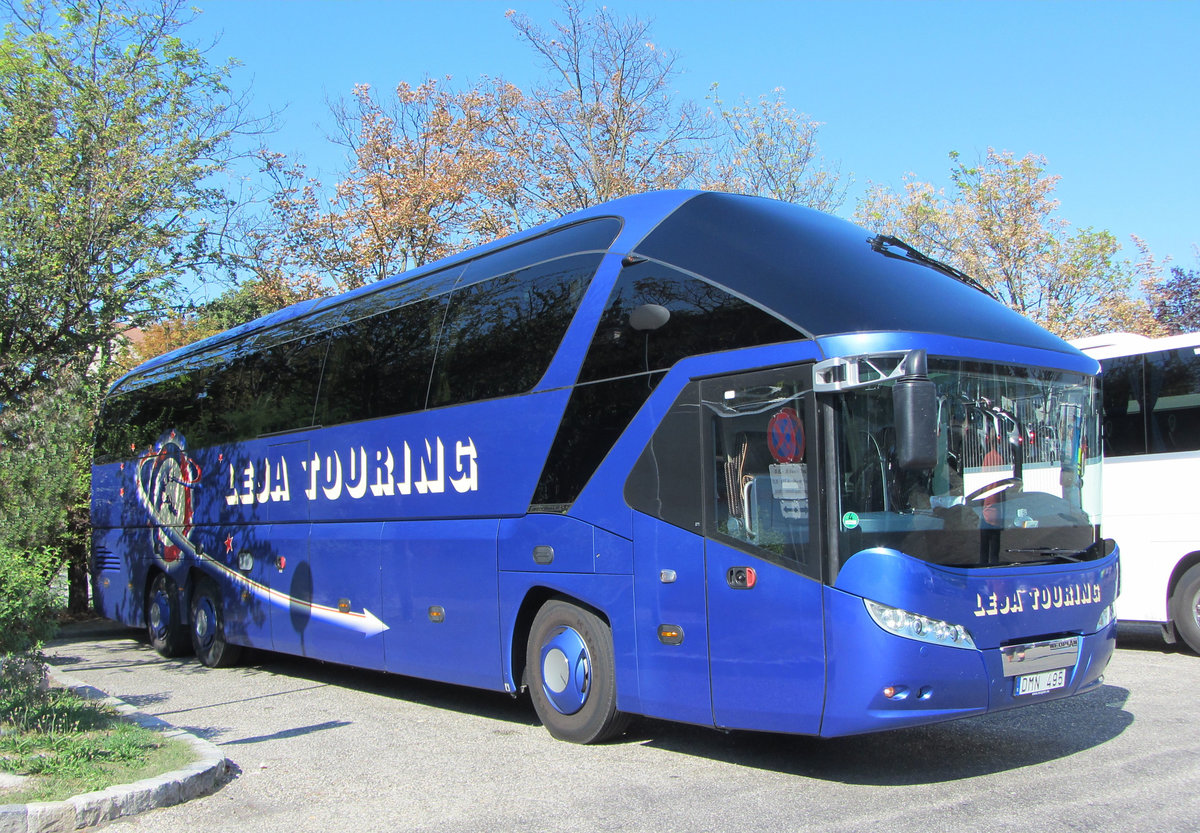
point(1112, 345)
point(824, 275)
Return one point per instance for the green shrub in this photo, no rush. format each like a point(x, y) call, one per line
point(27, 608)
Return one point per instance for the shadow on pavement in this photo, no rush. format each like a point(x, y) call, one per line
point(929, 754)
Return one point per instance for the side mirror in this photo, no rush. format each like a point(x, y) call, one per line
point(649, 317)
point(914, 401)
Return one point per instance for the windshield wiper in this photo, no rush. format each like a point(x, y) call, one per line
point(1056, 553)
point(884, 243)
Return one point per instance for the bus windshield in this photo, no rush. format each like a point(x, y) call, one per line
point(1016, 478)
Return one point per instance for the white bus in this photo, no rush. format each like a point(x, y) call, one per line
point(1152, 475)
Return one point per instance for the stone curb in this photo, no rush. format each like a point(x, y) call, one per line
point(88, 810)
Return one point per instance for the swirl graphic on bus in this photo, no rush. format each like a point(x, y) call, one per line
point(167, 478)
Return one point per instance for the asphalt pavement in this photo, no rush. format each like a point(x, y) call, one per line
point(319, 746)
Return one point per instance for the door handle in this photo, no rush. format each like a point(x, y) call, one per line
point(741, 578)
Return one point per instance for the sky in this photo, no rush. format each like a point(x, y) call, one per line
point(1108, 93)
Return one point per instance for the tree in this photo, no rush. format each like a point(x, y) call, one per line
point(770, 150)
point(1176, 301)
point(423, 182)
point(238, 305)
point(1001, 227)
point(111, 130)
point(606, 123)
point(45, 477)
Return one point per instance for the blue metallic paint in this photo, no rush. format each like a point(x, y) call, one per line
point(790, 655)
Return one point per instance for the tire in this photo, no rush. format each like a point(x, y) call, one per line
point(570, 673)
point(208, 627)
point(164, 620)
point(1185, 608)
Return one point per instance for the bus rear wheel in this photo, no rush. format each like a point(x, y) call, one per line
point(1185, 608)
point(208, 627)
point(570, 671)
point(164, 622)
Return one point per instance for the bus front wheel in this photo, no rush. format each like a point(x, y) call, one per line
point(164, 623)
point(208, 627)
point(1185, 608)
point(570, 671)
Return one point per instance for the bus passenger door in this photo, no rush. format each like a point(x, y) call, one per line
point(765, 611)
point(766, 643)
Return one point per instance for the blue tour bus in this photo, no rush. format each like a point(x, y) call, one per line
point(697, 456)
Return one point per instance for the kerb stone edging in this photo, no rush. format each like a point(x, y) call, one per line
point(91, 809)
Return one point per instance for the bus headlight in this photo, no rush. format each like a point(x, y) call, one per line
point(918, 627)
point(1106, 617)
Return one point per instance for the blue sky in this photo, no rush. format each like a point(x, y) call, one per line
point(1106, 92)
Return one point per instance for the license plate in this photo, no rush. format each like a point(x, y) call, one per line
point(1039, 683)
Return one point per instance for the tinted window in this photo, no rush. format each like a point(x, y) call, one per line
point(371, 353)
point(821, 273)
point(133, 420)
point(1124, 417)
point(1152, 403)
point(666, 481)
point(500, 334)
point(596, 416)
point(1173, 400)
point(264, 392)
point(680, 316)
point(379, 366)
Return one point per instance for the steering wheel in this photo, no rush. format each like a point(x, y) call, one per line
point(990, 489)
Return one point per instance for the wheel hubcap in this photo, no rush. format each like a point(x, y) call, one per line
point(159, 615)
point(566, 670)
point(204, 622)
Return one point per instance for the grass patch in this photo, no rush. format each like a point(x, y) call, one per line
point(68, 745)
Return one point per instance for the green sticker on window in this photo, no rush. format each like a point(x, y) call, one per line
point(850, 520)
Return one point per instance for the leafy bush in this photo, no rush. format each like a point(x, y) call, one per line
point(27, 606)
point(27, 600)
point(45, 475)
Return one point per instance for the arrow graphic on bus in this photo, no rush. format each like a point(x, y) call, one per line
point(366, 622)
point(165, 478)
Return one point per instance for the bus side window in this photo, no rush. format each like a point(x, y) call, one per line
point(379, 366)
point(704, 318)
point(623, 364)
point(665, 482)
point(500, 334)
point(1124, 411)
point(1173, 400)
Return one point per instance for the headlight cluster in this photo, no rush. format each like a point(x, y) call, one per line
point(1106, 617)
point(915, 626)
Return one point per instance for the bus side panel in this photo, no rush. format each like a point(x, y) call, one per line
point(117, 576)
point(345, 589)
point(438, 583)
point(1155, 527)
point(669, 590)
point(547, 543)
point(242, 560)
point(286, 553)
point(108, 499)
